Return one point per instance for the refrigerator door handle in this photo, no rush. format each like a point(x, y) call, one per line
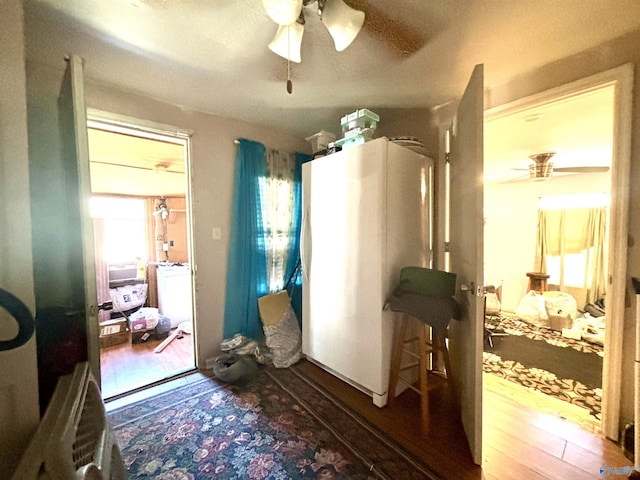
point(305, 245)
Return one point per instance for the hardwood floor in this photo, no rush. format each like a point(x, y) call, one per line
point(128, 366)
point(518, 441)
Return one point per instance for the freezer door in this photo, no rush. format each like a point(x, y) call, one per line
point(343, 246)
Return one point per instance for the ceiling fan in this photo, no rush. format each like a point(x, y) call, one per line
point(343, 23)
point(542, 169)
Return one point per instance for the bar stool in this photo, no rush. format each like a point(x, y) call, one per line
point(537, 282)
point(425, 299)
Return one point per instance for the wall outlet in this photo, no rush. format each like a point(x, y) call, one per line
point(216, 233)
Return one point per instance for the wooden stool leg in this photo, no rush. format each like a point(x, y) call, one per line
point(441, 344)
point(424, 372)
point(394, 372)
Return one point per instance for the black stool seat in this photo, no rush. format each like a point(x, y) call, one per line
point(437, 312)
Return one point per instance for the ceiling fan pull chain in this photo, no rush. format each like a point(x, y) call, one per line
point(289, 82)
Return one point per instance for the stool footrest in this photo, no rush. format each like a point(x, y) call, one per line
point(409, 366)
point(409, 352)
point(410, 385)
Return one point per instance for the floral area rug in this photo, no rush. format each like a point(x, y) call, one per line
point(543, 360)
point(277, 426)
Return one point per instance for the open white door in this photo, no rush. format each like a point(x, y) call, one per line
point(466, 255)
point(73, 121)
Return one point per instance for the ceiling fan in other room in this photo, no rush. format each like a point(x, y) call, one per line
point(542, 169)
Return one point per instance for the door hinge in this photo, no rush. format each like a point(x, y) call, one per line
point(447, 247)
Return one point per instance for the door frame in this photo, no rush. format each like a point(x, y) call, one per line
point(621, 78)
point(148, 129)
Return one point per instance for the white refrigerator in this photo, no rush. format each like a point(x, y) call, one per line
point(366, 214)
point(174, 293)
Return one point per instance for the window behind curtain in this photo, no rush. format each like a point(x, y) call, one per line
point(124, 229)
point(277, 195)
point(571, 242)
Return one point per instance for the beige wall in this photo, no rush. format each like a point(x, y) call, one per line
point(599, 59)
point(19, 409)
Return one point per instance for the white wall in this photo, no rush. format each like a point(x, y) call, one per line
point(511, 215)
point(19, 409)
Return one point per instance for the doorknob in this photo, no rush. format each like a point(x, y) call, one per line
point(472, 289)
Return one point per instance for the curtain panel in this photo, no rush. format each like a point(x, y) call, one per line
point(564, 232)
point(265, 234)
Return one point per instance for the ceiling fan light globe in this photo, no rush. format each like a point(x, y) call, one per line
point(343, 22)
point(288, 41)
point(283, 12)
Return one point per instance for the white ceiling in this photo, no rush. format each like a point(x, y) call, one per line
point(130, 164)
point(212, 56)
point(579, 130)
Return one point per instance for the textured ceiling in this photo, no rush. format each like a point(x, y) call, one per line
point(212, 56)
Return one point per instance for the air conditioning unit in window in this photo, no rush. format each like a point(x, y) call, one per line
point(74, 440)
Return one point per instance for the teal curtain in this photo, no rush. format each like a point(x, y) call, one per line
point(293, 256)
point(247, 263)
point(247, 272)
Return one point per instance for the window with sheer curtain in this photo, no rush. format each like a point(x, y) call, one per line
point(277, 194)
point(570, 245)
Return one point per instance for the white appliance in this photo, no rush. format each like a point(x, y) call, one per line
point(174, 293)
point(366, 214)
point(74, 439)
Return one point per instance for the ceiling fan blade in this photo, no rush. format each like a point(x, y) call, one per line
point(392, 30)
point(585, 169)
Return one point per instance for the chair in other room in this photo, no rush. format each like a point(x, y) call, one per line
point(425, 299)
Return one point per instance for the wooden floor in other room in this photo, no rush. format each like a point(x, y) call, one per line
point(519, 442)
point(128, 366)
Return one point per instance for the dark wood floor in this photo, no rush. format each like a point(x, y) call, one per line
point(518, 442)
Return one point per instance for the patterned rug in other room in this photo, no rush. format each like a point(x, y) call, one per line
point(543, 360)
point(277, 426)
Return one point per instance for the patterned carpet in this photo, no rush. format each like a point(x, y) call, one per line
point(519, 365)
point(277, 426)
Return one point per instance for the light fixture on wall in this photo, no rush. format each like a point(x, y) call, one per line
point(343, 23)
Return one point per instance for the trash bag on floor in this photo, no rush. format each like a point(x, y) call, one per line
point(241, 345)
point(233, 368)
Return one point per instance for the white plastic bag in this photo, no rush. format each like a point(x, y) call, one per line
point(560, 304)
point(281, 329)
point(532, 309)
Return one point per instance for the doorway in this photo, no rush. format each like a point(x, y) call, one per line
point(591, 130)
point(140, 212)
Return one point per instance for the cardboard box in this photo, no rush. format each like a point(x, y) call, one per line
point(141, 336)
point(114, 332)
point(114, 339)
point(113, 326)
point(560, 321)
